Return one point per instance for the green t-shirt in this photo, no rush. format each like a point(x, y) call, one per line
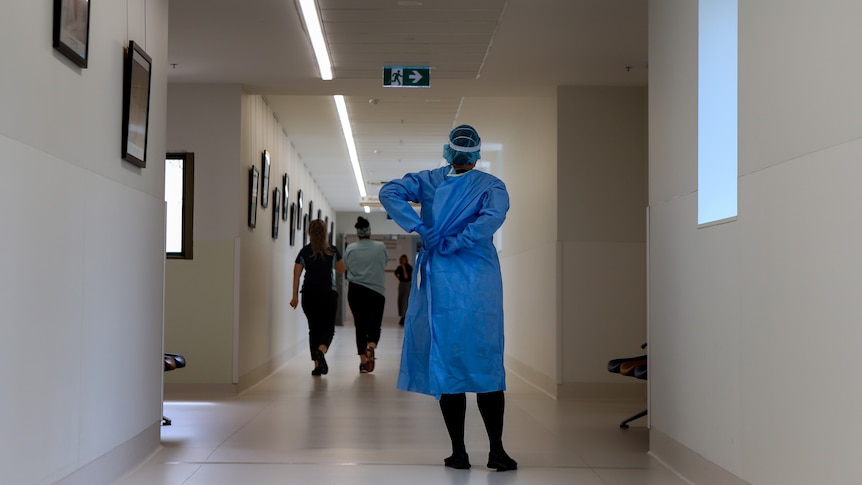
point(366, 264)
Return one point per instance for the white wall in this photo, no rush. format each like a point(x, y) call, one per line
point(523, 131)
point(199, 302)
point(228, 309)
point(602, 198)
point(269, 330)
point(753, 324)
point(82, 252)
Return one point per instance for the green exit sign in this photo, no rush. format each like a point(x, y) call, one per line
point(406, 77)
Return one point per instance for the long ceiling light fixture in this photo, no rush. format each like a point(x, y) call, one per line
point(351, 145)
point(318, 43)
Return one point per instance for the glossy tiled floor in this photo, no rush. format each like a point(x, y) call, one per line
point(347, 428)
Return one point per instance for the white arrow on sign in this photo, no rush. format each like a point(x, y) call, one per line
point(415, 77)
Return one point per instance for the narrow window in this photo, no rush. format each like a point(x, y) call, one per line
point(179, 198)
point(717, 110)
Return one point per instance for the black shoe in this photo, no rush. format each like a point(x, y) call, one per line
point(316, 371)
point(321, 362)
point(458, 461)
point(501, 461)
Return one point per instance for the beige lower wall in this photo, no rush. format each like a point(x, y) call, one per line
point(199, 309)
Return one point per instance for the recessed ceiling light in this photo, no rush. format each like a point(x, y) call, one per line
point(409, 3)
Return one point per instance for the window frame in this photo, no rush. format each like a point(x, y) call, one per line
point(187, 251)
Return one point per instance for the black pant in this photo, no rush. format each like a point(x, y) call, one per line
point(367, 307)
point(403, 297)
point(319, 309)
point(491, 406)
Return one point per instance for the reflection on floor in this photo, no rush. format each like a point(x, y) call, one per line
point(347, 428)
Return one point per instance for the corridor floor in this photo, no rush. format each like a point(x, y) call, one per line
point(351, 428)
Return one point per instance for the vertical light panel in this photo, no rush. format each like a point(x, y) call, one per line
point(717, 110)
point(174, 199)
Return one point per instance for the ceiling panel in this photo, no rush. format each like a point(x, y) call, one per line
point(519, 47)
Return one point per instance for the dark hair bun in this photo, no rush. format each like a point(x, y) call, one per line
point(361, 223)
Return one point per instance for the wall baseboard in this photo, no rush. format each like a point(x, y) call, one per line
point(687, 463)
point(118, 462)
point(539, 381)
point(176, 389)
point(261, 372)
point(602, 390)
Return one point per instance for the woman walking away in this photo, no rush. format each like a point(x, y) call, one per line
point(404, 273)
point(319, 259)
point(453, 334)
point(366, 294)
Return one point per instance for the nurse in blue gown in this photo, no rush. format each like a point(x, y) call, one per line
point(453, 332)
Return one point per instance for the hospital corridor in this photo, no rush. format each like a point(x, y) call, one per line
point(351, 428)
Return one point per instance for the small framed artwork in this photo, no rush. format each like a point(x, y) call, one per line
point(291, 226)
point(310, 211)
point(304, 229)
point(276, 213)
point(264, 190)
point(72, 30)
point(253, 184)
point(319, 214)
point(332, 232)
point(299, 209)
point(136, 104)
point(285, 191)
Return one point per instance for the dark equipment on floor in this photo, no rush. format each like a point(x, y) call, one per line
point(172, 362)
point(633, 367)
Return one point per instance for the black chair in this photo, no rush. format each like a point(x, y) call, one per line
point(633, 367)
point(172, 362)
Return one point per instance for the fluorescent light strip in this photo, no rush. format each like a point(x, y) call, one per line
point(351, 145)
point(315, 32)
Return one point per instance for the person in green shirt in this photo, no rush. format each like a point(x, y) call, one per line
point(366, 292)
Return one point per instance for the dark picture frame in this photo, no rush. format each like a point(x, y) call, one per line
point(253, 176)
point(292, 224)
point(285, 192)
point(332, 232)
point(299, 209)
point(276, 213)
point(72, 30)
point(265, 164)
point(310, 211)
point(136, 104)
point(305, 222)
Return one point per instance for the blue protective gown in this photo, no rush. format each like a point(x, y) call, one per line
point(453, 332)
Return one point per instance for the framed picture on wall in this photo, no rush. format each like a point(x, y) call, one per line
point(291, 226)
point(253, 184)
point(264, 190)
point(72, 30)
point(310, 211)
point(136, 104)
point(285, 191)
point(276, 213)
point(319, 214)
point(304, 229)
point(299, 209)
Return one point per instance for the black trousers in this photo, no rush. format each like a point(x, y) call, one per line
point(319, 309)
point(403, 297)
point(491, 406)
point(367, 308)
